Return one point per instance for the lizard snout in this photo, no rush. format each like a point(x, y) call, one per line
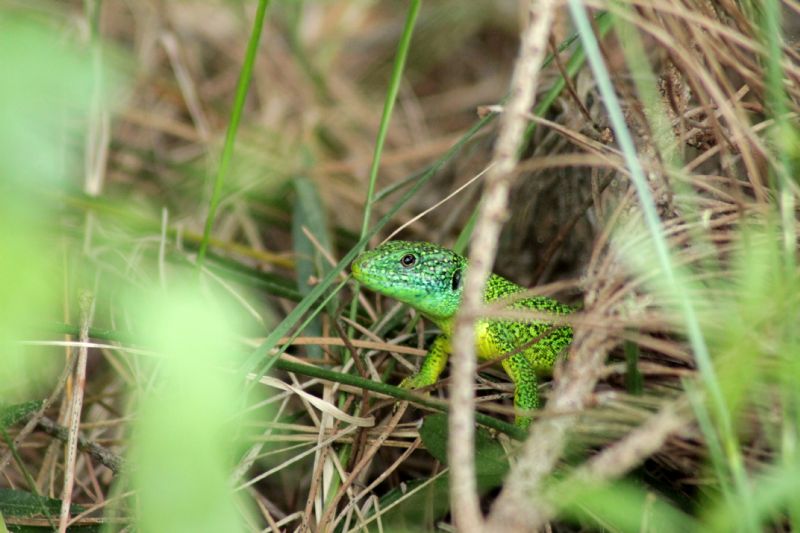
point(356, 267)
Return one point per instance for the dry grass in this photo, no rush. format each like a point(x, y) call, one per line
point(718, 153)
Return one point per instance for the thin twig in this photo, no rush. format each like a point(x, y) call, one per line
point(99, 453)
point(76, 408)
point(613, 462)
point(361, 437)
point(362, 464)
point(34, 420)
point(640, 443)
point(437, 204)
point(381, 478)
point(463, 494)
point(568, 82)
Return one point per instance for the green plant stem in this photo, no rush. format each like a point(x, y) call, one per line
point(395, 392)
point(242, 86)
point(633, 377)
point(383, 129)
point(782, 131)
point(321, 373)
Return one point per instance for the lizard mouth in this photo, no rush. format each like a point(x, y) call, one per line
point(355, 268)
point(364, 277)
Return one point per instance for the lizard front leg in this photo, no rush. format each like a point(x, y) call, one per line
point(432, 366)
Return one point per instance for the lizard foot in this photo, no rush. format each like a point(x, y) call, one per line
point(413, 382)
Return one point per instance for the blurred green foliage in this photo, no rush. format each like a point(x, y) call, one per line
point(187, 429)
point(749, 308)
point(43, 105)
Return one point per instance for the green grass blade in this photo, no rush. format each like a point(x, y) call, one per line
point(634, 382)
point(604, 22)
point(309, 214)
point(233, 126)
point(784, 134)
point(388, 107)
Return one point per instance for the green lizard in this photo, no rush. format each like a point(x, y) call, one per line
point(429, 278)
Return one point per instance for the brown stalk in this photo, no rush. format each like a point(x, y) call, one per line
point(75, 411)
point(492, 214)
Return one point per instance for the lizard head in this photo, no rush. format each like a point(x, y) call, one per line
point(427, 277)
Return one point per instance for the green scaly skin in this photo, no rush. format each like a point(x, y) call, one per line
point(429, 278)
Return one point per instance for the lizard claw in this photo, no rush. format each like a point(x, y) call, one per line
point(413, 382)
point(523, 422)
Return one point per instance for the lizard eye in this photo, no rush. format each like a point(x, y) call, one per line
point(456, 280)
point(408, 260)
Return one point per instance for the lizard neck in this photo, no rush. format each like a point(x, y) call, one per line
point(496, 287)
point(446, 324)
